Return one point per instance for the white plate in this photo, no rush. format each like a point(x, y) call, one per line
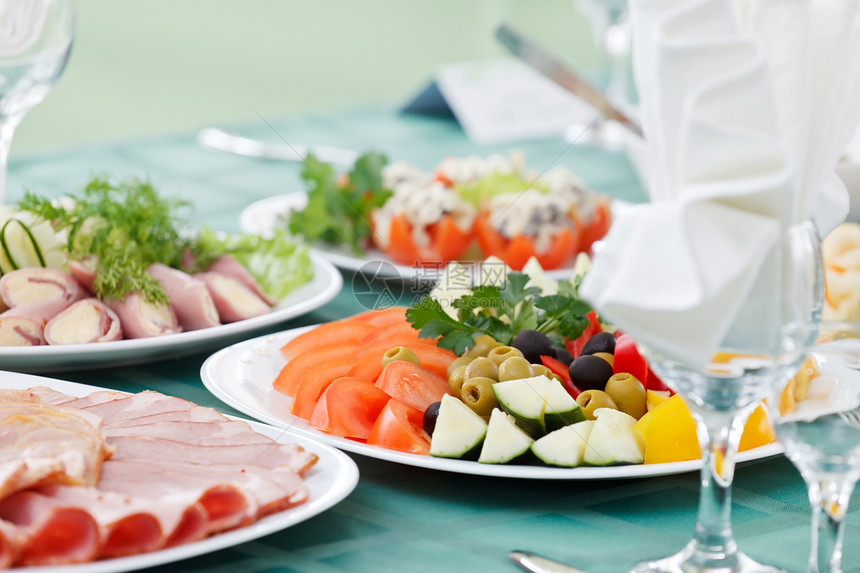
point(265, 215)
point(323, 287)
point(241, 376)
point(333, 478)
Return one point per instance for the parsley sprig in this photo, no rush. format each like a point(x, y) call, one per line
point(502, 312)
point(338, 208)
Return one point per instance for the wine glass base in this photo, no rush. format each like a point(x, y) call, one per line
point(692, 559)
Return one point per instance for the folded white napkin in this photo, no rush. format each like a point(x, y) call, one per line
point(746, 107)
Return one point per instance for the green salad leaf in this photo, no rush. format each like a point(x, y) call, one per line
point(495, 183)
point(338, 208)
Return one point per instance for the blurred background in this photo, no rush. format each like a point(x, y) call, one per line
point(161, 66)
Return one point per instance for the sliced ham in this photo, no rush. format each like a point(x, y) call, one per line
point(141, 318)
point(84, 271)
point(24, 325)
point(87, 320)
point(52, 533)
point(113, 406)
point(36, 284)
point(234, 300)
point(189, 297)
point(10, 540)
point(229, 266)
point(200, 433)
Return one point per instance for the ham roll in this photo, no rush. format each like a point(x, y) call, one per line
point(24, 325)
point(84, 271)
point(189, 297)
point(229, 266)
point(88, 320)
point(233, 299)
point(36, 284)
point(143, 319)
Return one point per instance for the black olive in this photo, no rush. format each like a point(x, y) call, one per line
point(533, 345)
point(563, 356)
point(590, 372)
point(600, 342)
point(430, 415)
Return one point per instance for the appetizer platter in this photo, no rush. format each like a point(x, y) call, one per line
point(114, 276)
point(327, 477)
point(515, 380)
point(418, 221)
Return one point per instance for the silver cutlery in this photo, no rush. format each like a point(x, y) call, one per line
point(217, 139)
point(535, 563)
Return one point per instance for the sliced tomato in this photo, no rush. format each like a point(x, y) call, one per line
point(517, 250)
point(289, 376)
point(598, 225)
point(412, 384)
point(339, 332)
point(314, 382)
point(348, 408)
point(399, 427)
point(575, 346)
point(447, 242)
point(382, 317)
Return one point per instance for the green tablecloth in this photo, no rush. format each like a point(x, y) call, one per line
point(402, 518)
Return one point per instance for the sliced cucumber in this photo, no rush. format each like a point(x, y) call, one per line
point(538, 403)
point(564, 447)
point(613, 440)
point(505, 440)
point(27, 241)
point(459, 431)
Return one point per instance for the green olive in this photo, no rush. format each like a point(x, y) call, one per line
point(501, 353)
point(456, 379)
point(591, 400)
point(461, 361)
point(477, 394)
point(628, 392)
point(606, 356)
point(483, 344)
point(515, 368)
point(482, 366)
point(541, 369)
point(398, 353)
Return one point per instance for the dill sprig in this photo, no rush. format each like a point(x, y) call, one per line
point(126, 226)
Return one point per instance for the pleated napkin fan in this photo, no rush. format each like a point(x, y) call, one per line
point(746, 107)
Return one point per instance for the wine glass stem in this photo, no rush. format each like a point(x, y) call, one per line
point(719, 434)
point(7, 130)
point(617, 45)
point(829, 499)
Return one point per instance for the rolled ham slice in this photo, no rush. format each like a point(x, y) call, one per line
point(36, 284)
point(84, 271)
point(189, 297)
point(234, 300)
point(229, 266)
point(24, 325)
point(143, 319)
point(88, 320)
point(52, 533)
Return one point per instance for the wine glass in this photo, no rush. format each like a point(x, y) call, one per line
point(769, 338)
point(821, 435)
point(35, 40)
point(611, 27)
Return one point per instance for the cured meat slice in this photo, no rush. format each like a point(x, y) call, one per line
point(24, 325)
point(87, 320)
point(267, 455)
point(114, 406)
point(195, 414)
point(52, 533)
point(37, 284)
point(143, 319)
point(233, 300)
point(230, 432)
point(229, 266)
point(84, 271)
point(10, 540)
point(189, 297)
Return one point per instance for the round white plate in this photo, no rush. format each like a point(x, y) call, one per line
point(323, 287)
point(265, 215)
point(333, 478)
point(241, 376)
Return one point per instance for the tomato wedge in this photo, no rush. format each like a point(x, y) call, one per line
point(517, 250)
point(411, 384)
point(348, 408)
point(314, 382)
point(400, 428)
point(447, 242)
point(289, 376)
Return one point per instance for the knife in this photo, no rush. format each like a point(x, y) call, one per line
point(536, 564)
point(221, 140)
point(550, 66)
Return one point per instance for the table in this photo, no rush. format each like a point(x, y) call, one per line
point(403, 518)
